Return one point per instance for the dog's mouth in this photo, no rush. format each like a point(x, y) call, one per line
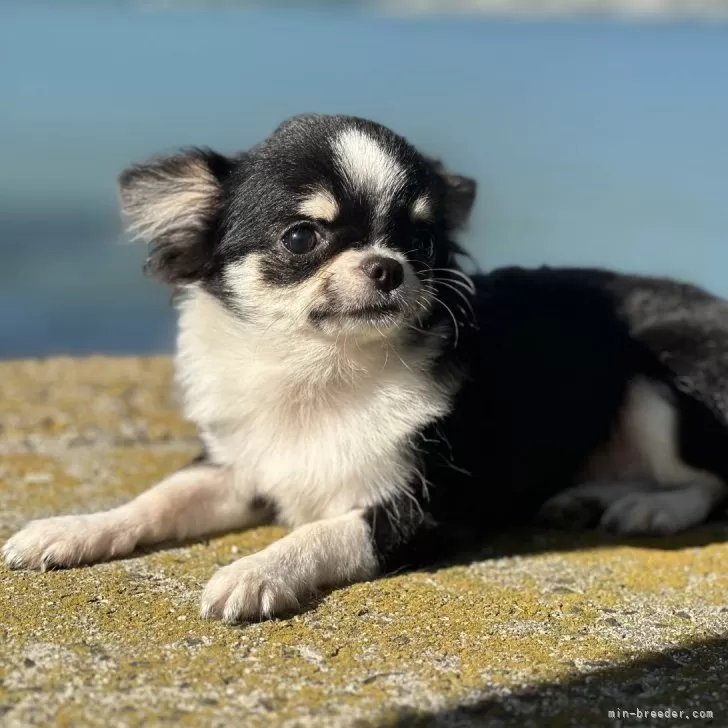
point(368, 314)
point(373, 311)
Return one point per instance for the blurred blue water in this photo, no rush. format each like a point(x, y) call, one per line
point(594, 143)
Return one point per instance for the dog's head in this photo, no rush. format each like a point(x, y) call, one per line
point(331, 224)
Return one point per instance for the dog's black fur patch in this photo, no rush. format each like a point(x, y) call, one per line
point(548, 370)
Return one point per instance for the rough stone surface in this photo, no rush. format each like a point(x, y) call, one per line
point(545, 629)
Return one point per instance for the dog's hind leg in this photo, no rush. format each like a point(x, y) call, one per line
point(640, 483)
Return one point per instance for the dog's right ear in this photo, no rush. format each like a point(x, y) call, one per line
point(174, 203)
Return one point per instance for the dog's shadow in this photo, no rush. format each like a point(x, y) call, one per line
point(517, 541)
point(531, 541)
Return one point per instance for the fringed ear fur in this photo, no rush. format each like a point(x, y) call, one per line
point(173, 202)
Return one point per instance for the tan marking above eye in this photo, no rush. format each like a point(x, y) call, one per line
point(421, 208)
point(320, 205)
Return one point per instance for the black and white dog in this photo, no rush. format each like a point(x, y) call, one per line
point(349, 380)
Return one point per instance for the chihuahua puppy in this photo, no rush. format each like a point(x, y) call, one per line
point(350, 381)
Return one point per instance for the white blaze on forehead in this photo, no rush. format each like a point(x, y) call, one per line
point(320, 205)
point(368, 166)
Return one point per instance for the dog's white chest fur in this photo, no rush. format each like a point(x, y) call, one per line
point(318, 426)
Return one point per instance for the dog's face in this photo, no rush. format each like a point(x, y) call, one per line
point(333, 224)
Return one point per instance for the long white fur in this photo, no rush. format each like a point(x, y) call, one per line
point(318, 424)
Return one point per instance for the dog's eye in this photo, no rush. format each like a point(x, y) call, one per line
point(300, 239)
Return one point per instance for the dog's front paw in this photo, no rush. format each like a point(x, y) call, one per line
point(67, 541)
point(252, 588)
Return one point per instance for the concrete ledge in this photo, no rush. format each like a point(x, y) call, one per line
point(546, 629)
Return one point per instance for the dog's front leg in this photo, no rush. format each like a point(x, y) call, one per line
point(278, 578)
point(351, 547)
point(196, 501)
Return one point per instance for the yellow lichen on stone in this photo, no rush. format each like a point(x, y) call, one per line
point(550, 629)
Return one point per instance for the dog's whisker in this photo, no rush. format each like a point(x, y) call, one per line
point(461, 296)
point(453, 283)
point(466, 279)
point(454, 319)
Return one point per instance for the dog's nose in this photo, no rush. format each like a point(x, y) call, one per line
point(386, 273)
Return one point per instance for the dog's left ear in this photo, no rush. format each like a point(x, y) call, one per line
point(174, 203)
point(459, 198)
